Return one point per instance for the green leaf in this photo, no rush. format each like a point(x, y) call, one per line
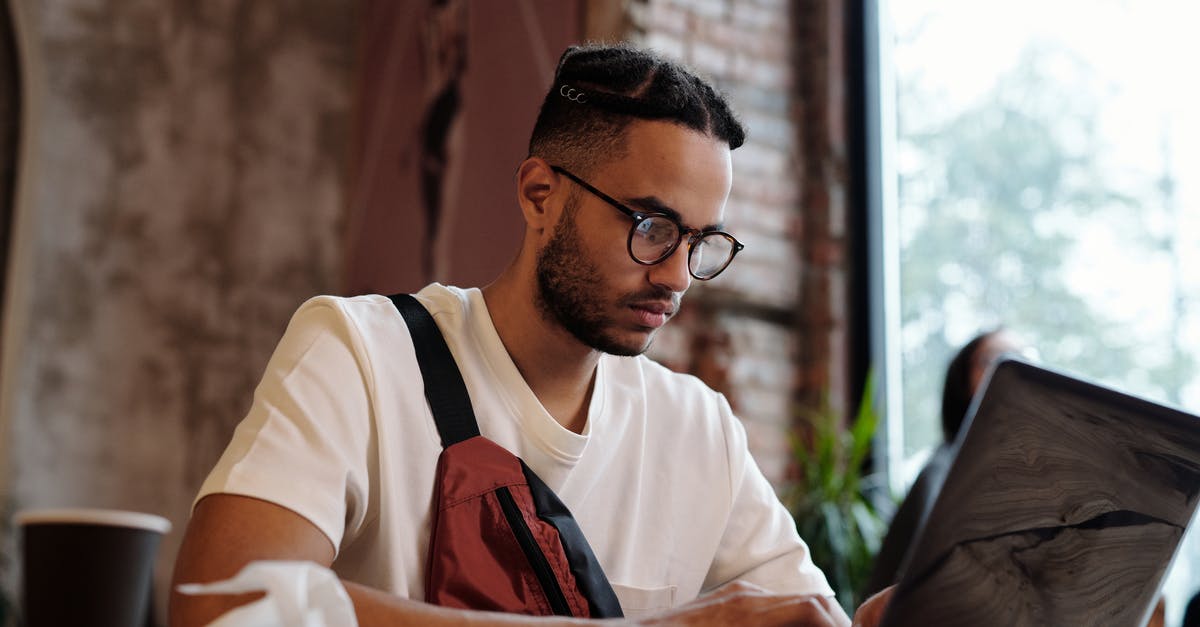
point(832, 514)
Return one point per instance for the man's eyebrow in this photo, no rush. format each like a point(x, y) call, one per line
point(651, 204)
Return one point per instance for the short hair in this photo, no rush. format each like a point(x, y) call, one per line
point(956, 391)
point(1191, 616)
point(598, 90)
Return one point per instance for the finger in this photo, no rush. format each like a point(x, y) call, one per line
point(819, 610)
point(808, 611)
point(745, 603)
point(871, 611)
point(737, 587)
point(836, 613)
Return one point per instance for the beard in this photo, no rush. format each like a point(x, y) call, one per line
point(573, 294)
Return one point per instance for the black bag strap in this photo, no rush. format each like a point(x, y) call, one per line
point(589, 575)
point(455, 419)
point(444, 387)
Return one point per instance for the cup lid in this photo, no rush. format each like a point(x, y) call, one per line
point(88, 516)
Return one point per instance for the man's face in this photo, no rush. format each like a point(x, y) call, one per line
point(587, 282)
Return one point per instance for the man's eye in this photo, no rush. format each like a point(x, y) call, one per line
point(656, 231)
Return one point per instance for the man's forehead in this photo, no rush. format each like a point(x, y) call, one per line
point(665, 135)
point(664, 150)
point(672, 166)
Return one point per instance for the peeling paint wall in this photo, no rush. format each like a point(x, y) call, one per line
point(10, 111)
point(187, 195)
point(478, 226)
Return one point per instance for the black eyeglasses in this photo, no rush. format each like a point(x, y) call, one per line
point(654, 236)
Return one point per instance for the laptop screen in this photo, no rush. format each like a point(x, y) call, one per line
point(1064, 505)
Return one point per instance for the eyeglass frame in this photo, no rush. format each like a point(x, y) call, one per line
point(638, 217)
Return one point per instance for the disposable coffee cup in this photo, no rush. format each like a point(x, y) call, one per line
point(89, 567)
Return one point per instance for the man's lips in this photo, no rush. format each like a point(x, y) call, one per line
point(653, 314)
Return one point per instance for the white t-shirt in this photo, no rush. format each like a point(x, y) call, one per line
point(660, 480)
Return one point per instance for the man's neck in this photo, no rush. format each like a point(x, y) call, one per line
point(558, 368)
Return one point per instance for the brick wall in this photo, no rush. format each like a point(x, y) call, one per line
point(769, 333)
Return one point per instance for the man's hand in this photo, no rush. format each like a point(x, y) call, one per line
point(871, 611)
point(747, 604)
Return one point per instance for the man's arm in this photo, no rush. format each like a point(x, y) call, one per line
point(227, 532)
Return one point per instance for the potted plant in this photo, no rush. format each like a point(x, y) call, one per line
point(833, 513)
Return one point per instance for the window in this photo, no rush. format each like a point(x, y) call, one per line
point(1042, 172)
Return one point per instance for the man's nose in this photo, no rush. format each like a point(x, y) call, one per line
point(672, 273)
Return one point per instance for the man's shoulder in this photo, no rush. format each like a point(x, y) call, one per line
point(327, 313)
point(344, 304)
point(370, 308)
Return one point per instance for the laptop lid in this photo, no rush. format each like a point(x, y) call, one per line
point(1064, 505)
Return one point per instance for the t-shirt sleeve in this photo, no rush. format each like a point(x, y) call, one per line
point(760, 544)
point(303, 444)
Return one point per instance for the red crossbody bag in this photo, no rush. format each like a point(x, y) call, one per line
point(500, 539)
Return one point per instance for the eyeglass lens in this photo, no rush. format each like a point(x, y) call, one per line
point(655, 237)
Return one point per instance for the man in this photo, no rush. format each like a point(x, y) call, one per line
point(623, 195)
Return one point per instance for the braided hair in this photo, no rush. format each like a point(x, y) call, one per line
point(598, 90)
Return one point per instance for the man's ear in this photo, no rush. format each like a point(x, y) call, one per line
point(536, 184)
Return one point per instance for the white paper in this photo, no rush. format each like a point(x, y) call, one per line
point(300, 594)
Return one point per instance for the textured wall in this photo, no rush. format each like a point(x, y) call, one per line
point(770, 332)
point(501, 76)
point(10, 111)
point(186, 196)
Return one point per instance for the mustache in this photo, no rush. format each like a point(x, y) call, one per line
point(654, 295)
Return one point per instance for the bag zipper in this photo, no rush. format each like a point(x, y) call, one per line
point(537, 559)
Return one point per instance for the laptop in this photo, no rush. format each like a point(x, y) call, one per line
point(1065, 505)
